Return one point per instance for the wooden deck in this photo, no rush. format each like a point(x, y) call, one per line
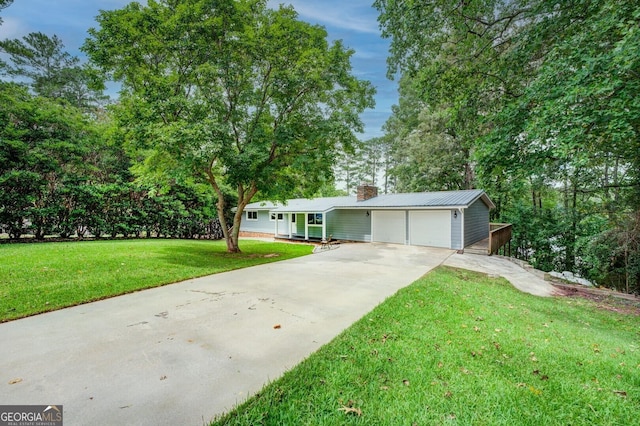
point(480, 247)
point(499, 238)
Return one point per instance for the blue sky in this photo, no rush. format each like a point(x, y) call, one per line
point(352, 21)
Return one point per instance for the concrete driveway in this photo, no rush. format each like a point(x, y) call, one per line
point(182, 353)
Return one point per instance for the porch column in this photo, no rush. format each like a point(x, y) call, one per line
point(290, 225)
point(276, 224)
point(324, 227)
point(462, 227)
point(306, 226)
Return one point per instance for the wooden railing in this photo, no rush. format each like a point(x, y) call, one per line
point(499, 236)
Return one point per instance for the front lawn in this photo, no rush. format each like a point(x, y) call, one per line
point(40, 277)
point(457, 347)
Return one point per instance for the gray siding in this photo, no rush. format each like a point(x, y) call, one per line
point(476, 223)
point(353, 225)
point(263, 224)
point(456, 230)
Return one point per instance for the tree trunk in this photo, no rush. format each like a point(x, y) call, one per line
point(244, 197)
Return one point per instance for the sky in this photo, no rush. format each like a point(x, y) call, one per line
point(352, 21)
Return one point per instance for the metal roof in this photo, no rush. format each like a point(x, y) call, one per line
point(454, 199)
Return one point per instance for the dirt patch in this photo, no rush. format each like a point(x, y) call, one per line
point(267, 256)
point(603, 299)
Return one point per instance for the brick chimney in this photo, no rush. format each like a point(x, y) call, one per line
point(367, 191)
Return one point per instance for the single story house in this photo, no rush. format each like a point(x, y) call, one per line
point(449, 219)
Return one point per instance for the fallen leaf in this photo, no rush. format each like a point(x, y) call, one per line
point(448, 394)
point(544, 377)
point(534, 390)
point(163, 377)
point(384, 387)
point(14, 381)
point(476, 328)
point(351, 410)
point(620, 393)
point(277, 326)
point(405, 382)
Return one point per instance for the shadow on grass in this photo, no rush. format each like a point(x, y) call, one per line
point(214, 255)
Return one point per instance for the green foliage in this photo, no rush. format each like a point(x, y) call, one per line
point(4, 4)
point(61, 174)
point(52, 72)
point(458, 347)
point(537, 102)
point(44, 277)
point(232, 93)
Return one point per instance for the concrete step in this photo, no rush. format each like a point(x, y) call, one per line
point(473, 250)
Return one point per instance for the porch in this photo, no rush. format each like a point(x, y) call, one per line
point(298, 238)
point(310, 226)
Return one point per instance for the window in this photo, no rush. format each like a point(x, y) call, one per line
point(280, 216)
point(314, 218)
point(293, 218)
point(252, 215)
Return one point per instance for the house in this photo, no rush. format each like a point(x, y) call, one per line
point(449, 219)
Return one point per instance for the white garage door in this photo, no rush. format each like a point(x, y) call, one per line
point(430, 228)
point(388, 226)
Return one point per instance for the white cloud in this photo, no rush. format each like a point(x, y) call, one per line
point(353, 16)
point(11, 28)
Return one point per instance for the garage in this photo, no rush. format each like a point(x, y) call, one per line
point(388, 226)
point(430, 228)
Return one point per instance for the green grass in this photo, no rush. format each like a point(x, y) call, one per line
point(36, 278)
point(457, 347)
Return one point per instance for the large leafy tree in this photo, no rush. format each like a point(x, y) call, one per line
point(42, 145)
point(232, 92)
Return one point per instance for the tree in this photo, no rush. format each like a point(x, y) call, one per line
point(231, 92)
point(541, 95)
point(42, 143)
point(52, 72)
point(348, 168)
point(4, 4)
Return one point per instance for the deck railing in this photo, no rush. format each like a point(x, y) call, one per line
point(499, 236)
